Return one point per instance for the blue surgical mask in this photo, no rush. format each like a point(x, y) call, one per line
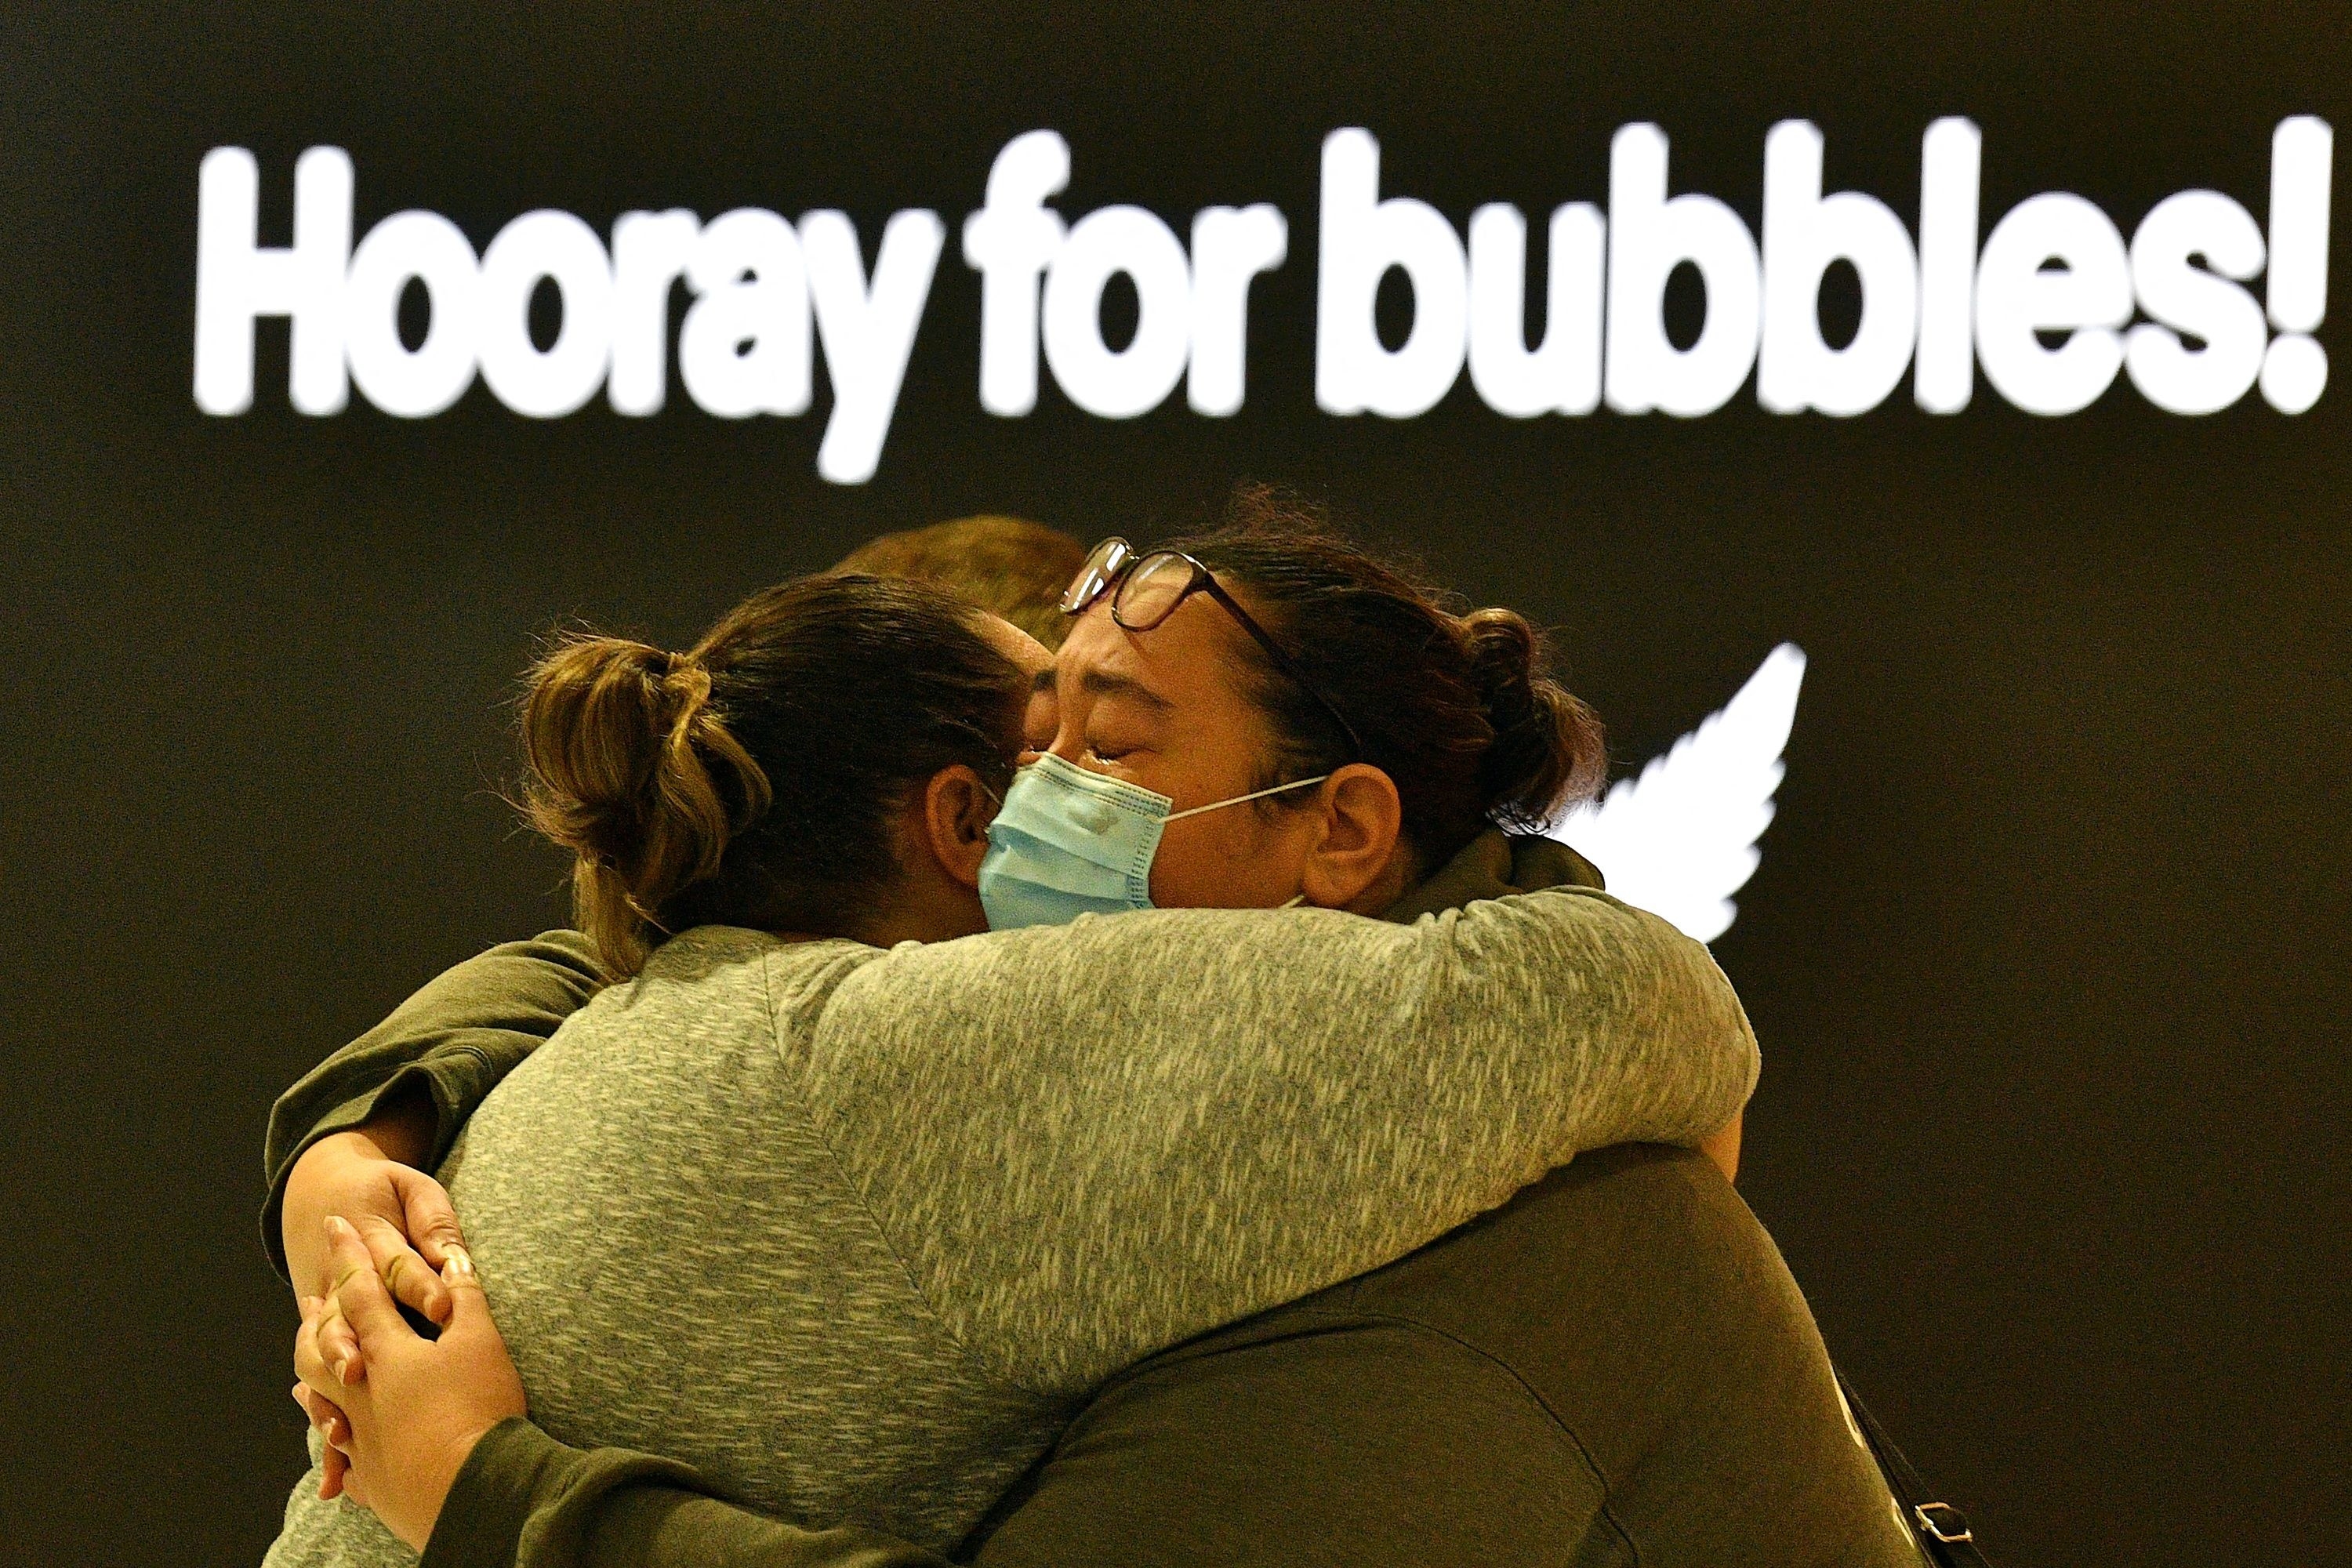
point(1068, 842)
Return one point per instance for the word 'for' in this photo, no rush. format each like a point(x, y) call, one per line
point(2044, 303)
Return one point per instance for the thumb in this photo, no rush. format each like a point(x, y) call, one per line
point(494, 1386)
point(359, 1290)
point(469, 1309)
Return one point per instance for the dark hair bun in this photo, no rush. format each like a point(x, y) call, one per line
point(1547, 748)
point(1460, 710)
point(632, 772)
point(756, 779)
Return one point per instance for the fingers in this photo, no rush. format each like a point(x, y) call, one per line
point(358, 1320)
point(403, 1270)
point(359, 1295)
point(345, 1174)
point(325, 1414)
point(431, 1219)
point(326, 1352)
point(339, 1345)
point(334, 1429)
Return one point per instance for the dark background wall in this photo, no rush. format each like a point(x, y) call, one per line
point(2047, 947)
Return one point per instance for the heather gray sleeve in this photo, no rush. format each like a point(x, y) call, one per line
point(1089, 1141)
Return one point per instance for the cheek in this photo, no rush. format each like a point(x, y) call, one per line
point(1232, 860)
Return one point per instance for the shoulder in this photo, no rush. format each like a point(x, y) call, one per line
point(722, 971)
point(711, 999)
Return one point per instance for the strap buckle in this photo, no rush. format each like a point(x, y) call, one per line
point(1946, 1524)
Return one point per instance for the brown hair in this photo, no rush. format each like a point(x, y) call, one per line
point(753, 779)
point(1461, 710)
point(1007, 566)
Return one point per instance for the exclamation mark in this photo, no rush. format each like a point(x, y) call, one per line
point(2294, 371)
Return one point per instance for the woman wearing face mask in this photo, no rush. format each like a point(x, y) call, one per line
point(852, 1231)
point(1170, 685)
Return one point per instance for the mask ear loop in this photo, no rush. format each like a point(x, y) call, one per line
point(1259, 795)
point(1296, 898)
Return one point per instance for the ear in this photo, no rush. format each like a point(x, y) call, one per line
point(956, 811)
point(1356, 850)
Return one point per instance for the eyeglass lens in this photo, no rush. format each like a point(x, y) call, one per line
point(1103, 564)
point(1152, 591)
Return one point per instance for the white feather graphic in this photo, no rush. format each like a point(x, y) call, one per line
point(1680, 840)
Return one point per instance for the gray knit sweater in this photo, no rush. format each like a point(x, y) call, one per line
point(854, 1232)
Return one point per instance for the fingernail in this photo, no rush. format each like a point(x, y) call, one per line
point(343, 1369)
point(458, 1262)
point(334, 1227)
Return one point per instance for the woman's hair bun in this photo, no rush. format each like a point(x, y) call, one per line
point(1547, 749)
point(630, 769)
point(1460, 710)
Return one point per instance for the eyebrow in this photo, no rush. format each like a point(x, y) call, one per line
point(1102, 683)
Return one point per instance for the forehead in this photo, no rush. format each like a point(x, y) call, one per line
point(1187, 659)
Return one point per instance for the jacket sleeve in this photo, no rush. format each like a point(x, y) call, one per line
point(524, 1500)
point(1088, 1142)
point(450, 1043)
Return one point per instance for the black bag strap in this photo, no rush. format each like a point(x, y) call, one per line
point(1941, 1530)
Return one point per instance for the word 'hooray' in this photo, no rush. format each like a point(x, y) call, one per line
point(2044, 303)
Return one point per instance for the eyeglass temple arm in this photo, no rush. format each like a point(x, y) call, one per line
point(1282, 661)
